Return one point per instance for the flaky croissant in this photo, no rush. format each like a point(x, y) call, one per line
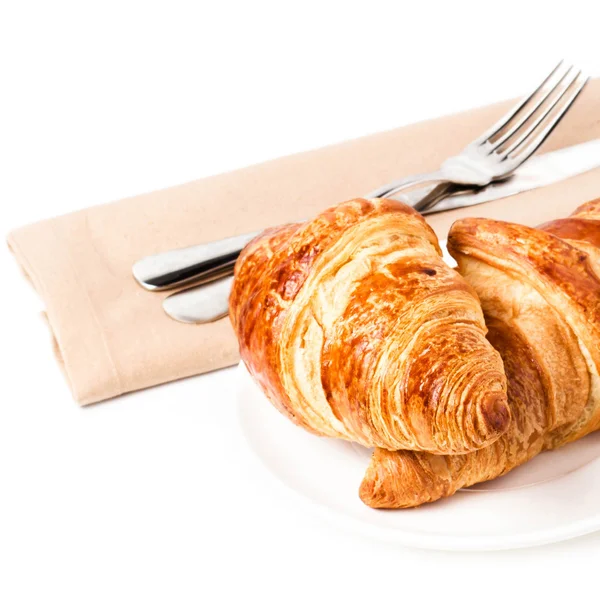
point(540, 292)
point(355, 328)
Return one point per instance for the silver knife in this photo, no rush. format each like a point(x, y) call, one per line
point(209, 301)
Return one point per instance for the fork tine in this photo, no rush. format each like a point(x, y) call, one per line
point(521, 134)
point(497, 127)
point(520, 123)
point(520, 153)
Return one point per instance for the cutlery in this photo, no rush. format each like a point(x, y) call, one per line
point(494, 156)
point(461, 180)
point(208, 302)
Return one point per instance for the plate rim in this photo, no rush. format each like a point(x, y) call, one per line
point(422, 540)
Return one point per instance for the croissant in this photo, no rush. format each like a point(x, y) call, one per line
point(355, 328)
point(540, 292)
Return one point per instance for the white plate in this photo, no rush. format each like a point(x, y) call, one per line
point(554, 497)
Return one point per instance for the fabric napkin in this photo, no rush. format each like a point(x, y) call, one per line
point(112, 337)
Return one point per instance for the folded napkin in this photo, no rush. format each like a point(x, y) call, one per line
point(112, 337)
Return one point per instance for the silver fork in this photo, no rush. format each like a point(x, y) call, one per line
point(504, 147)
point(492, 157)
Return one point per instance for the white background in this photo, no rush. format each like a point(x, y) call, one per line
point(149, 496)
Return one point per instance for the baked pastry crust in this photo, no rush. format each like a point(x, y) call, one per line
point(540, 292)
point(354, 327)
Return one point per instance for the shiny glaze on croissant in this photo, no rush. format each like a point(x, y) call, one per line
point(540, 292)
point(355, 328)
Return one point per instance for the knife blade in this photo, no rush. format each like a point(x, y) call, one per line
point(209, 302)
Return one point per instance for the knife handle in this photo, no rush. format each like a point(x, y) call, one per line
point(202, 304)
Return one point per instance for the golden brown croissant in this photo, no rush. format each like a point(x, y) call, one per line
point(540, 292)
point(355, 328)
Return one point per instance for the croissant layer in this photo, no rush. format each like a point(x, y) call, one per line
point(540, 292)
point(355, 327)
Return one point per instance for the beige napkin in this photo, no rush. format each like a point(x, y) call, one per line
point(112, 337)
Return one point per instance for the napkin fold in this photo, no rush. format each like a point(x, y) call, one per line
point(112, 337)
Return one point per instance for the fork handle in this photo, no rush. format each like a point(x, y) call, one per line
point(196, 264)
point(206, 262)
point(391, 189)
